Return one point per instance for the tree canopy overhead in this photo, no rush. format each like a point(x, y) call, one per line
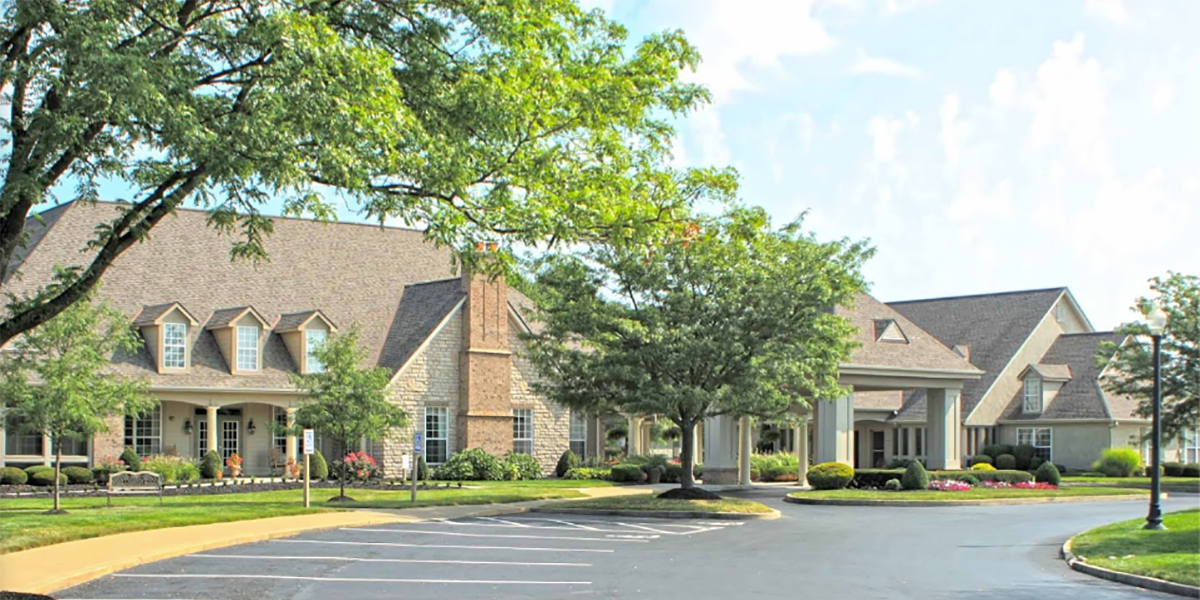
point(516, 120)
point(731, 319)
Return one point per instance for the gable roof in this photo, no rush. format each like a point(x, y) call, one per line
point(1082, 397)
point(151, 314)
point(922, 352)
point(350, 272)
point(224, 317)
point(422, 308)
point(1049, 372)
point(995, 326)
point(294, 321)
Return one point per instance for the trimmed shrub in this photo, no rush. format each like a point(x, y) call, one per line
point(45, 478)
point(1023, 453)
point(132, 462)
point(874, 479)
point(1118, 462)
point(472, 464)
point(1035, 462)
point(588, 473)
point(424, 473)
point(830, 476)
point(1178, 469)
point(172, 469)
point(569, 460)
point(210, 465)
point(1006, 462)
point(13, 476)
point(780, 466)
point(521, 466)
point(983, 467)
point(1047, 473)
point(915, 477)
point(980, 459)
point(1001, 476)
point(318, 465)
point(78, 475)
point(628, 473)
point(995, 450)
point(893, 485)
point(38, 469)
point(967, 478)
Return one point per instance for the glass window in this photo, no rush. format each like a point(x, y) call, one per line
point(578, 433)
point(247, 348)
point(920, 441)
point(523, 430)
point(202, 432)
point(437, 434)
point(895, 442)
point(1033, 395)
point(313, 340)
point(229, 441)
point(1041, 438)
point(278, 433)
point(174, 345)
point(1191, 445)
point(904, 441)
point(144, 433)
point(16, 442)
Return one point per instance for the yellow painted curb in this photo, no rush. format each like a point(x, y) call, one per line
point(52, 568)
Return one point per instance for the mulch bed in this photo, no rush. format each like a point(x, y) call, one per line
point(689, 494)
point(26, 491)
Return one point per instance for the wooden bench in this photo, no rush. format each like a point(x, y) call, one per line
point(128, 483)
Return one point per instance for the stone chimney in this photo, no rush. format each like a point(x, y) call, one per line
point(485, 367)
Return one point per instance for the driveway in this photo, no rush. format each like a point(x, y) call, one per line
point(817, 552)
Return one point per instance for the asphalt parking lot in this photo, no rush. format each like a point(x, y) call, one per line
point(813, 552)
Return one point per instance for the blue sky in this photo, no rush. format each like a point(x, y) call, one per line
point(981, 146)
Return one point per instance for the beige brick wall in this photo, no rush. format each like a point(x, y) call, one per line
point(432, 379)
point(551, 422)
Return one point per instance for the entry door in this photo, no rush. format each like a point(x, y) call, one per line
point(229, 438)
point(877, 449)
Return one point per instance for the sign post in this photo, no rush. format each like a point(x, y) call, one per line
point(418, 450)
point(309, 443)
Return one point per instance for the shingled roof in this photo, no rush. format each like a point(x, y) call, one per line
point(922, 351)
point(995, 326)
point(352, 273)
point(1082, 396)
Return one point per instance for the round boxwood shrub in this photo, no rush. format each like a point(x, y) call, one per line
point(1119, 462)
point(1047, 473)
point(569, 460)
point(1006, 462)
point(967, 478)
point(472, 464)
point(915, 476)
point(1036, 462)
point(210, 465)
point(319, 469)
point(38, 469)
point(893, 485)
point(45, 478)
point(518, 465)
point(628, 473)
point(13, 476)
point(131, 459)
point(995, 450)
point(1023, 453)
point(980, 459)
point(983, 467)
point(830, 476)
point(78, 475)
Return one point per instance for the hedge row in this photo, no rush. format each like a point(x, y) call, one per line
point(878, 478)
point(1177, 469)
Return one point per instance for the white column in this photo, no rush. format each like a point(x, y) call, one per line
point(211, 415)
point(720, 450)
point(835, 430)
point(745, 444)
point(633, 439)
point(47, 451)
point(801, 440)
point(698, 444)
point(290, 440)
point(943, 427)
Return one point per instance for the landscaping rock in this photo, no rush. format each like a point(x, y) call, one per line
point(688, 494)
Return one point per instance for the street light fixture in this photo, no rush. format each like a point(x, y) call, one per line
point(1156, 320)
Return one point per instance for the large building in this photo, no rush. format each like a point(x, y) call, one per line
point(223, 338)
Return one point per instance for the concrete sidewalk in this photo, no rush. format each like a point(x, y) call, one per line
point(60, 566)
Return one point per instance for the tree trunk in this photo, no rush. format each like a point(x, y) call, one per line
point(687, 455)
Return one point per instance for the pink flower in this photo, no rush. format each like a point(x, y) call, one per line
point(949, 485)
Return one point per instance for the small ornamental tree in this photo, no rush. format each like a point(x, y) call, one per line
point(915, 476)
point(55, 379)
point(732, 317)
point(346, 401)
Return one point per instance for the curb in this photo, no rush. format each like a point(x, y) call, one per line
point(1149, 583)
point(987, 502)
point(662, 514)
point(53, 584)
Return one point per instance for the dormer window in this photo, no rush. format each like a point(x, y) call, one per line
point(247, 348)
point(1033, 395)
point(174, 355)
point(314, 338)
point(888, 330)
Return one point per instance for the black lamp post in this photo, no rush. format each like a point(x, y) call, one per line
point(1157, 321)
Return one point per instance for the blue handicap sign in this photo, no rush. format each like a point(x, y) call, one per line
point(419, 442)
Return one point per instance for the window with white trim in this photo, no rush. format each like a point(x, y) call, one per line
point(437, 434)
point(279, 431)
point(523, 430)
point(1033, 395)
point(1041, 438)
point(247, 348)
point(144, 432)
point(578, 433)
point(18, 442)
point(919, 442)
point(313, 338)
point(1060, 312)
point(1191, 445)
point(174, 345)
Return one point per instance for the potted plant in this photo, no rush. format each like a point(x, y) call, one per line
point(653, 475)
point(234, 462)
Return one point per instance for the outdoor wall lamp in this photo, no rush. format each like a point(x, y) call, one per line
point(251, 428)
point(187, 427)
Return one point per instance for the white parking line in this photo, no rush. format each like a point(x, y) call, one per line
point(395, 560)
point(538, 527)
point(638, 539)
point(694, 525)
point(345, 579)
point(508, 523)
point(442, 546)
point(643, 527)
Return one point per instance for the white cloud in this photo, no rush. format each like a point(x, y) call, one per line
point(883, 132)
point(1068, 102)
point(805, 128)
point(1162, 97)
point(706, 127)
point(883, 66)
point(893, 7)
point(949, 134)
point(1112, 10)
point(1003, 89)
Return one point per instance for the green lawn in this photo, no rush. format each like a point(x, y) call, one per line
point(650, 503)
point(23, 526)
point(972, 494)
point(1189, 483)
point(1173, 555)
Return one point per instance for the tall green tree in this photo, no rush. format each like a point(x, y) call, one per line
point(1133, 366)
point(514, 120)
point(347, 401)
point(729, 319)
point(55, 379)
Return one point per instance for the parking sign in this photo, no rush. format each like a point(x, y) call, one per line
point(419, 442)
point(309, 441)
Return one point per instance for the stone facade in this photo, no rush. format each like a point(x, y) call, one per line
point(551, 422)
point(110, 443)
point(431, 379)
